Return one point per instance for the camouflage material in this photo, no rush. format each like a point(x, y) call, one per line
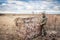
point(43, 24)
point(29, 29)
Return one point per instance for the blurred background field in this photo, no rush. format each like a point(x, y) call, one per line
point(8, 27)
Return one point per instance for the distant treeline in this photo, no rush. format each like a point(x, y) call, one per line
point(2, 14)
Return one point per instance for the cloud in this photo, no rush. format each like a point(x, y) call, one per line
point(14, 6)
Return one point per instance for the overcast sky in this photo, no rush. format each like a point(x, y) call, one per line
point(30, 6)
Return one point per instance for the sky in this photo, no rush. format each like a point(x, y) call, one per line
point(30, 6)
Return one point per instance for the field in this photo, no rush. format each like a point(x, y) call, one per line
point(10, 31)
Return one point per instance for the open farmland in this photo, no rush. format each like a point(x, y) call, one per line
point(25, 31)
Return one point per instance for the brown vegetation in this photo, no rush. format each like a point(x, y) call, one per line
point(9, 30)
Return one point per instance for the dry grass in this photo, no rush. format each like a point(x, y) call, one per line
point(8, 27)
